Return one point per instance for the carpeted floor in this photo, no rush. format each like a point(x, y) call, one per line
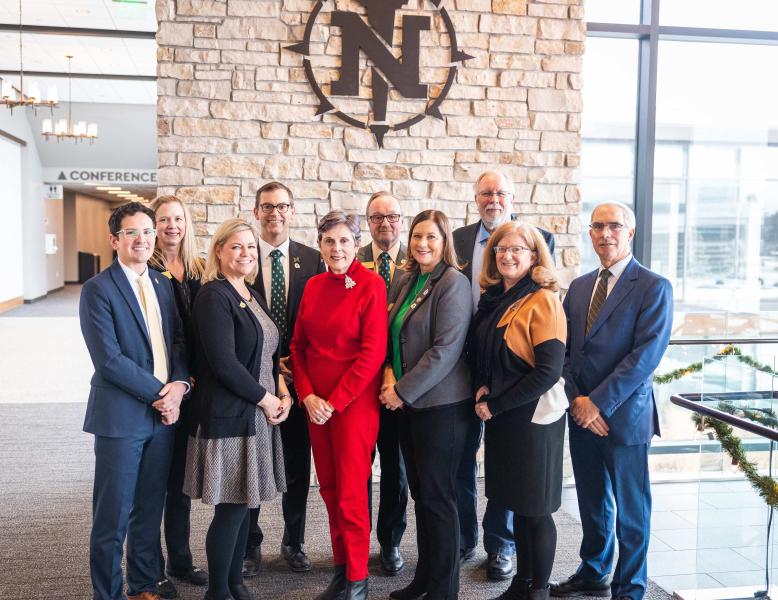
point(45, 504)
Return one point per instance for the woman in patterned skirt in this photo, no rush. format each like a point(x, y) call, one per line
point(234, 457)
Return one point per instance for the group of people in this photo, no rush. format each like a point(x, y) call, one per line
point(216, 379)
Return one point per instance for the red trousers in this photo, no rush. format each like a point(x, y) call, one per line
point(342, 449)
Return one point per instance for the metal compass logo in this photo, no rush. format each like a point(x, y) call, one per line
point(375, 38)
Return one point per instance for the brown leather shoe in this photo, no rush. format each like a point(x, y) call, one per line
point(144, 596)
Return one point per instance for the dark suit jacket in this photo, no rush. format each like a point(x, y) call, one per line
point(228, 353)
point(123, 385)
point(464, 242)
point(615, 362)
point(365, 256)
point(304, 263)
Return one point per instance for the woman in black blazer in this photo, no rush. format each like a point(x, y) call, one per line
point(234, 456)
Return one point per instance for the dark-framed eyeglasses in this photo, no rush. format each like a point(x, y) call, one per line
point(501, 194)
point(511, 249)
point(613, 227)
point(133, 234)
point(377, 219)
point(281, 207)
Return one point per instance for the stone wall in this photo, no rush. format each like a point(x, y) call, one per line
point(235, 110)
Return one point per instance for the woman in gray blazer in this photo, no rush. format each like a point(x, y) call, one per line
point(428, 379)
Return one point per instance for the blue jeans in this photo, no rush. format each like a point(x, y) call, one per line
point(498, 521)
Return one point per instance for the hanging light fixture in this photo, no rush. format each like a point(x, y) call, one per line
point(65, 128)
point(11, 97)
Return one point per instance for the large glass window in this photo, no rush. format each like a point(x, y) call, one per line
point(612, 11)
point(760, 15)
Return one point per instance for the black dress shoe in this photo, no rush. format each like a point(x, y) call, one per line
point(193, 575)
point(240, 592)
point(575, 585)
point(208, 596)
point(166, 589)
point(466, 554)
point(413, 591)
point(336, 590)
point(296, 559)
point(499, 567)
point(252, 562)
point(391, 560)
point(518, 590)
point(357, 590)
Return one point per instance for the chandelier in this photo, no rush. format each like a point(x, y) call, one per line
point(11, 97)
point(66, 128)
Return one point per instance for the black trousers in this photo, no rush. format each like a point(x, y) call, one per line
point(177, 509)
point(393, 490)
point(432, 442)
point(297, 466)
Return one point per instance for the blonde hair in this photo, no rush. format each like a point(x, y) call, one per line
point(225, 231)
point(187, 249)
point(543, 272)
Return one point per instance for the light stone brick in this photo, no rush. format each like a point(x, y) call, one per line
point(193, 144)
point(464, 22)
point(541, 121)
point(556, 11)
point(492, 108)
point(452, 191)
point(560, 141)
point(309, 189)
point(253, 28)
point(471, 126)
point(409, 189)
point(572, 194)
point(175, 71)
point(201, 8)
point(571, 64)
point(253, 8)
point(185, 107)
point(530, 79)
point(523, 44)
point(396, 172)
point(332, 150)
point(511, 7)
point(283, 167)
point(574, 48)
point(358, 138)
point(572, 160)
point(166, 54)
point(493, 145)
point(233, 166)
point(349, 202)
point(571, 257)
point(275, 131)
point(204, 30)
point(369, 171)
point(452, 143)
point(425, 173)
point(479, 6)
point(175, 34)
point(244, 58)
point(376, 156)
point(190, 161)
point(548, 194)
point(178, 175)
point(551, 175)
point(429, 158)
point(554, 100)
point(301, 147)
point(490, 23)
point(218, 213)
point(310, 130)
point(204, 89)
point(335, 171)
point(397, 142)
point(561, 29)
point(369, 186)
point(476, 77)
point(576, 12)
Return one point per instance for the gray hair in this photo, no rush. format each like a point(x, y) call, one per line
point(627, 213)
point(338, 217)
point(505, 176)
point(376, 196)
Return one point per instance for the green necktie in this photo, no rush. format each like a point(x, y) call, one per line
point(385, 268)
point(278, 293)
point(600, 294)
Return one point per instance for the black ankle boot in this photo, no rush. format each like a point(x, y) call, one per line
point(240, 592)
point(541, 594)
point(412, 591)
point(518, 590)
point(357, 590)
point(336, 590)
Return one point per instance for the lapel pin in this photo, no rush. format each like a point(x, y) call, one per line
point(242, 305)
point(296, 260)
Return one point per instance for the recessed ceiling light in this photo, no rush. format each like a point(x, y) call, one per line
point(117, 192)
point(108, 188)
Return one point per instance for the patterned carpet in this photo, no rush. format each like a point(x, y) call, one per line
point(45, 503)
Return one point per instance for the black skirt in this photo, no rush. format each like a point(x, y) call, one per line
point(523, 462)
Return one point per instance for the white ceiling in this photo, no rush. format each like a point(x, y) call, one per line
point(96, 55)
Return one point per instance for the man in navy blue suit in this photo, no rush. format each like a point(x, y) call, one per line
point(619, 318)
point(135, 339)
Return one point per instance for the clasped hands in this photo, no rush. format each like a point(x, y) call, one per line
point(169, 403)
point(586, 414)
point(482, 408)
point(276, 408)
point(319, 410)
point(388, 395)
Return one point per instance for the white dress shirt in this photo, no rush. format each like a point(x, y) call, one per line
point(393, 252)
point(616, 270)
point(132, 277)
point(478, 262)
point(267, 265)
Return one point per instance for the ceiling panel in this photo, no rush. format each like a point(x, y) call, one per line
point(94, 14)
point(97, 90)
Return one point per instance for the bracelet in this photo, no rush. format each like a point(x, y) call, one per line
point(282, 396)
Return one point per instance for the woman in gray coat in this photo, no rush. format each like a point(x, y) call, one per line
point(428, 379)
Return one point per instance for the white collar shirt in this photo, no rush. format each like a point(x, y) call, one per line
point(393, 251)
point(267, 265)
point(616, 270)
point(478, 261)
point(132, 277)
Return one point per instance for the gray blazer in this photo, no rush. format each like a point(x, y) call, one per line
point(432, 337)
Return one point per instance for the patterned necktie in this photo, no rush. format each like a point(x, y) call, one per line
point(278, 293)
point(385, 268)
point(158, 351)
point(599, 299)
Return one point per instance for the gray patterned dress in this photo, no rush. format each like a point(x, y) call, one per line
point(241, 470)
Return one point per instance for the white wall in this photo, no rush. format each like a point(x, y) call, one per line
point(55, 263)
point(11, 276)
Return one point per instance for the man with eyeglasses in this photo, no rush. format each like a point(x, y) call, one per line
point(619, 318)
point(285, 268)
point(135, 339)
point(494, 194)
point(384, 254)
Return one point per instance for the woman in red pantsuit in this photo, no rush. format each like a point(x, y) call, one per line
point(337, 350)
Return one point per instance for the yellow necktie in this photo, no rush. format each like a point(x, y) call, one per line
point(149, 307)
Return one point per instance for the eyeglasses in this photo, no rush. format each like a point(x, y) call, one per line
point(133, 234)
point(501, 194)
point(281, 207)
point(511, 249)
point(377, 219)
point(613, 227)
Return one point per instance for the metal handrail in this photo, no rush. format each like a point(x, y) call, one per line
point(721, 341)
point(694, 403)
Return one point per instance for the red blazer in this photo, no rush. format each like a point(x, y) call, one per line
point(339, 341)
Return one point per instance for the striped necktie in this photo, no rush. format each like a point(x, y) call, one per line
point(600, 294)
point(278, 293)
point(154, 324)
point(385, 268)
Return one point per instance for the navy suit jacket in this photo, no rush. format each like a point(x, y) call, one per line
point(615, 362)
point(123, 385)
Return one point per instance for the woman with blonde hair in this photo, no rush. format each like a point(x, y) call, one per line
point(175, 256)
point(234, 457)
point(517, 344)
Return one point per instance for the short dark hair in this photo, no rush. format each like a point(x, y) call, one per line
point(127, 210)
point(338, 217)
point(272, 186)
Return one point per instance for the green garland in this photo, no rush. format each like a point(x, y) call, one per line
point(763, 416)
point(765, 486)
point(696, 367)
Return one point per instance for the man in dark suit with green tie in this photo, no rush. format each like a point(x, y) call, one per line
point(385, 254)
